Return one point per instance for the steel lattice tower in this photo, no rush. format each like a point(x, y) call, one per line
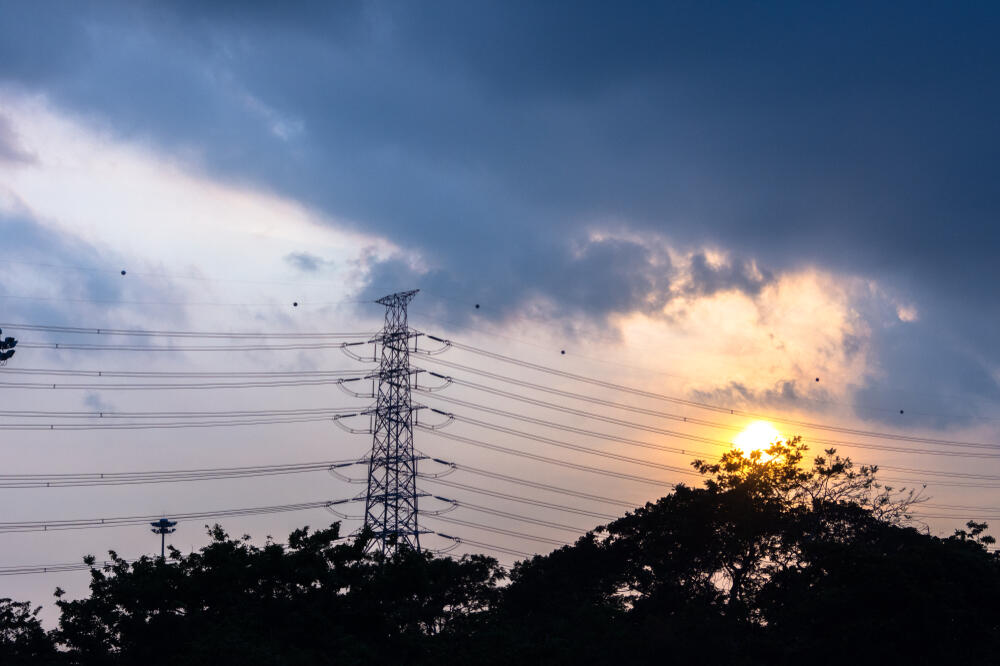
point(391, 500)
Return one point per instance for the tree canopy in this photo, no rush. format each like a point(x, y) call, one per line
point(772, 560)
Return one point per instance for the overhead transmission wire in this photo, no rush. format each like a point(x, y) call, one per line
point(23, 569)
point(575, 447)
point(498, 530)
point(523, 500)
point(640, 443)
point(545, 459)
point(490, 474)
point(78, 479)
point(696, 421)
point(93, 523)
point(690, 437)
point(166, 420)
point(210, 380)
point(512, 516)
point(18, 570)
point(177, 374)
point(72, 346)
point(702, 405)
point(24, 413)
point(189, 386)
point(134, 332)
point(227, 423)
point(647, 369)
point(487, 546)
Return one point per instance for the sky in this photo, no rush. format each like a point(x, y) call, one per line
point(779, 208)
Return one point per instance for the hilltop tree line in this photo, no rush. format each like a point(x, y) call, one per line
point(771, 561)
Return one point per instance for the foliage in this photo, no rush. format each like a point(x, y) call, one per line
point(22, 638)
point(772, 561)
point(308, 602)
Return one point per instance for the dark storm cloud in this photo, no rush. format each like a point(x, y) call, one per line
point(493, 137)
point(606, 275)
point(733, 275)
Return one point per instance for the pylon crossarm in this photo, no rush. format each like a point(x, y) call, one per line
point(449, 419)
point(343, 477)
point(341, 384)
point(397, 335)
point(445, 346)
point(445, 551)
point(450, 468)
point(354, 431)
point(448, 381)
point(452, 505)
point(342, 515)
point(363, 359)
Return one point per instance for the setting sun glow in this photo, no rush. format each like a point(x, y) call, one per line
point(757, 436)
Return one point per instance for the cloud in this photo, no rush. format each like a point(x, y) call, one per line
point(783, 137)
point(784, 394)
point(306, 262)
point(10, 148)
point(708, 277)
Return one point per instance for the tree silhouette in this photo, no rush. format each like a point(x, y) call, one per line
point(772, 560)
point(22, 638)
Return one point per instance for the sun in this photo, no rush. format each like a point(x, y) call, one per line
point(757, 436)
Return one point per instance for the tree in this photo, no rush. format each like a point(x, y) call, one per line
point(770, 562)
point(6, 349)
point(316, 600)
point(773, 560)
point(22, 638)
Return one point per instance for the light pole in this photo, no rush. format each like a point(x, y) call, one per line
point(163, 527)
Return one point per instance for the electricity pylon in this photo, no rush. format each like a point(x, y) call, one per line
point(391, 499)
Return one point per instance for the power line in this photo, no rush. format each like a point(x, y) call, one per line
point(190, 386)
point(702, 405)
point(513, 516)
point(682, 435)
point(645, 368)
point(227, 423)
point(573, 429)
point(576, 447)
point(488, 546)
point(546, 459)
point(537, 484)
point(183, 334)
point(522, 500)
point(178, 374)
point(260, 413)
point(498, 530)
point(78, 479)
point(188, 348)
point(18, 570)
point(90, 523)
